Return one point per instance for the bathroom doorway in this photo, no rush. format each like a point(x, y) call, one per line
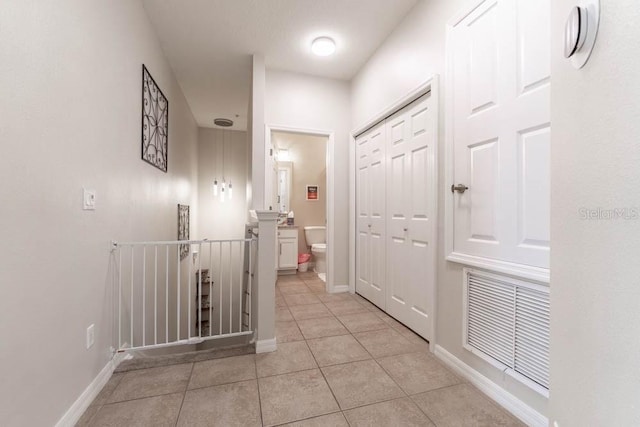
point(302, 188)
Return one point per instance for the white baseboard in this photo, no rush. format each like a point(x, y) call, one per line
point(340, 288)
point(266, 346)
point(517, 407)
point(71, 417)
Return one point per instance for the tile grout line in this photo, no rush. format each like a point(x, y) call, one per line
point(405, 394)
point(349, 333)
point(93, 417)
point(255, 369)
point(324, 378)
point(184, 394)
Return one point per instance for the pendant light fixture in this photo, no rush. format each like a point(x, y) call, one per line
point(225, 191)
point(215, 179)
point(224, 182)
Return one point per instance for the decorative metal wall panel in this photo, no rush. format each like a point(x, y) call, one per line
point(155, 123)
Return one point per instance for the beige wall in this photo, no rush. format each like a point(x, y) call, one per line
point(595, 159)
point(308, 154)
point(413, 53)
point(70, 79)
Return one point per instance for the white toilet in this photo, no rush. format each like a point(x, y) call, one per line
point(316, 238)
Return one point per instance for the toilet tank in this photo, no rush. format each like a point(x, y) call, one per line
point(315, 234)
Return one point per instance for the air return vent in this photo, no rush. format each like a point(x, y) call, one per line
point(507, 323)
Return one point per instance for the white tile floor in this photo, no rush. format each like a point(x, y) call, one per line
point(340, 362)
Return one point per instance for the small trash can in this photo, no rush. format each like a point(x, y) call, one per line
point(303, 262)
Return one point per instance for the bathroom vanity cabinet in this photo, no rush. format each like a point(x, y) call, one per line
point(287, 250)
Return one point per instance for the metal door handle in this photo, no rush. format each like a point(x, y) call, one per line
point(460, 188)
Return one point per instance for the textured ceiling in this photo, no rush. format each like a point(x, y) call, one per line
point(209, 43)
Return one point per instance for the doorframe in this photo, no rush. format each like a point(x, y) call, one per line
point(431, 85)
point(330, 183)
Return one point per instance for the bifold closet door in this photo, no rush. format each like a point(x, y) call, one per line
point(410, 212)
point(370, 206)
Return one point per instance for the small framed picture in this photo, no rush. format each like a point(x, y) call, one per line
point(312, 192)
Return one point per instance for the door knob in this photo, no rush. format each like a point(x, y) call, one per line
point(369, 225)
point(460, 188)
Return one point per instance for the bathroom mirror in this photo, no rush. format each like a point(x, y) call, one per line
point(285, 171)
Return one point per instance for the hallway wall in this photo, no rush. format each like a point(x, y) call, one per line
point(413, 53)
point(595, 158)
point(306, 102)
point(70, 79)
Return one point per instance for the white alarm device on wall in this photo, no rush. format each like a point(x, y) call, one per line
point(580, 32)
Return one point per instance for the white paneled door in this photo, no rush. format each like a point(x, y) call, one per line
point(410, 215)
point(370, 206)
point(500, 95)
point(395, 202)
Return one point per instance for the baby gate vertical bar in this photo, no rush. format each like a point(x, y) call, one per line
point(155, 295)
point(119, 298)
point(166, 295)
point(250, 283)
point(210, 288)
point(241, 264)
point(144, 294)
point(179, 289)
point(200, 289)
point(230, 288)
point(131, 317)
point(220, 286)
point(189, 300)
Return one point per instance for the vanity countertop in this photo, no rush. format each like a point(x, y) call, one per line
point(285, 226)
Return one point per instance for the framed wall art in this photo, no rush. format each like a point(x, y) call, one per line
point(183, 229)
point(312, 192)
point(155, 123)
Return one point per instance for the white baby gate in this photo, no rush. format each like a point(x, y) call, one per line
point(170, 293)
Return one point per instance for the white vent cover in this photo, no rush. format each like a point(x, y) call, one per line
point(507, 323)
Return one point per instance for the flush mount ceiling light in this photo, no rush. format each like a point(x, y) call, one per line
point(223, 122)
point(323, 46)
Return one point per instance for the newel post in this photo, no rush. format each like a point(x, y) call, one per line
point(265, 279)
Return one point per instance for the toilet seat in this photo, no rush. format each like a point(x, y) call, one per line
point(319, 247)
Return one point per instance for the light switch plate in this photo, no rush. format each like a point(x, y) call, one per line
point(88, 199)
point(90, 336)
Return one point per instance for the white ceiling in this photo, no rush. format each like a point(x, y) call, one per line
point(209, 43)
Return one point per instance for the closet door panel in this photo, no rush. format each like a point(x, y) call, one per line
point(363, 270)
point(398, 168)
point(410, 210)
point(377, 216)
point(370, 183)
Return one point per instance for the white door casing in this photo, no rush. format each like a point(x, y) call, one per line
point(410, 212)
point(499, 129)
